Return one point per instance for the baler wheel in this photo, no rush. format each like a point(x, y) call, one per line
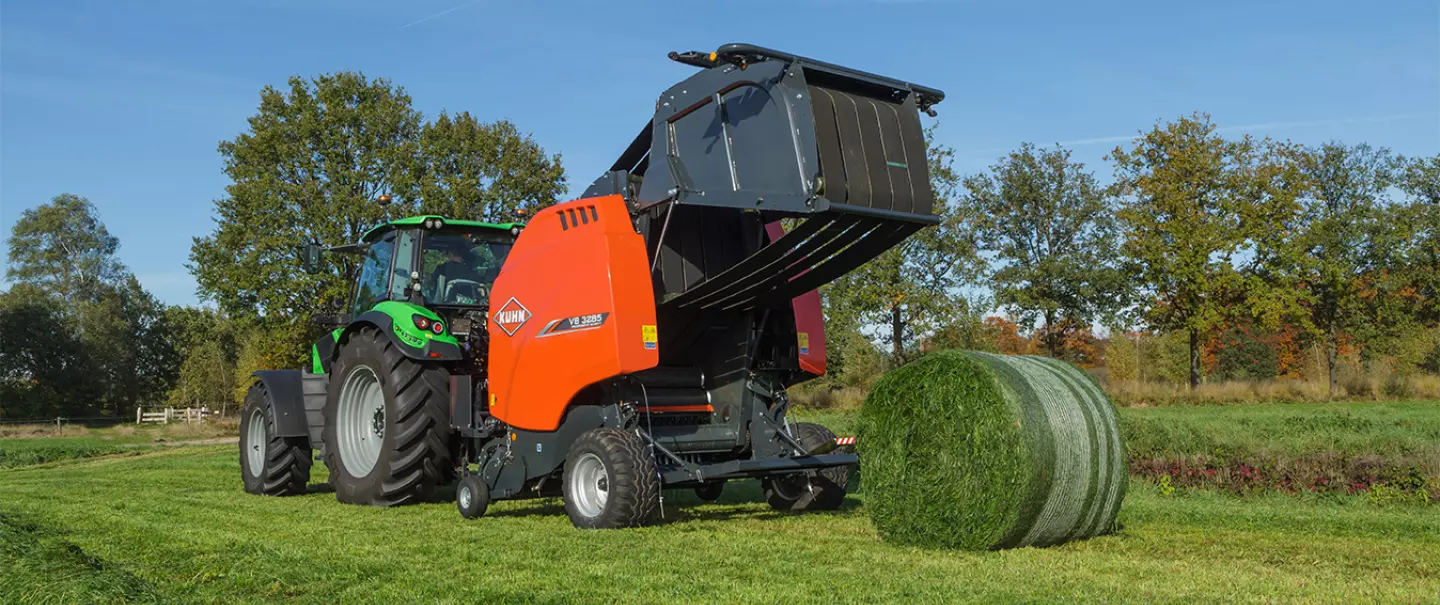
point(610, 480)
point(387, 424)
point(822, 489)
point(270, 465)
point(472, 496)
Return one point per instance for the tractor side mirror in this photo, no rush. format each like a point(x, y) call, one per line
point(310, 258)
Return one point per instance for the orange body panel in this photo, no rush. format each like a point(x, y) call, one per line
point(572, 306)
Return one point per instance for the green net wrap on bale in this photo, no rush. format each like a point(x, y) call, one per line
point(980, 451)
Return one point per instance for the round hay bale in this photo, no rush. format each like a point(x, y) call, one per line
point(980, 451)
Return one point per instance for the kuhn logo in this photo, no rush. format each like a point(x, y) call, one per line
point(511, 316)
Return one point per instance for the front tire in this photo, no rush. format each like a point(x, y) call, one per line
point(610, 480)
point(270, 465)
point(387, 434)
point(472, 497)
point(822, 489)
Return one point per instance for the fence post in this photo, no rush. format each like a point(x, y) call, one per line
point(138, 412)
point(58, 429)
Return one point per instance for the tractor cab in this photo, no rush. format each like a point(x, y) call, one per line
point(431, 261)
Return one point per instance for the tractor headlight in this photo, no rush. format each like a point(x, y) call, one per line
point(434, 223)
point(422, 322)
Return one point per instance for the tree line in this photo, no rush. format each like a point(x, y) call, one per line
point(1334, 246)
point(79, 335)
point(1222, 241)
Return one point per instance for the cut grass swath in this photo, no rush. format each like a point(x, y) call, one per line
point(979, 451)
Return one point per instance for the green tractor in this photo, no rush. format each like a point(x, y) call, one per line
point(419, 304)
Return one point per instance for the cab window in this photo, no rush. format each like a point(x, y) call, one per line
point(374, 275)
point(458, 268)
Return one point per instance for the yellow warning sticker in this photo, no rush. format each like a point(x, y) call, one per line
point(649, 336)
point(804, 338)
point(492, 400)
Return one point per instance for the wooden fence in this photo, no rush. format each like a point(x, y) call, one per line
point(168, 415)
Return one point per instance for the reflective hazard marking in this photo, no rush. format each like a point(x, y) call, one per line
point(650, 336)
point(804, 338)
point(844, 441)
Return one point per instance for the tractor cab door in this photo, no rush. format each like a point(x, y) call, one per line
point(373, 284)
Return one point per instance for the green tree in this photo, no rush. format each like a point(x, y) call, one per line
point(1421, 217)
point(916, 287)
point(64, 248)
point(207, 378)
point(1122, 357)
point(1192, 201)
point(490, 172)
point(44, 371)
point(309, 169)
point(1346, 242)
point(126, 333)
point(1052, 230)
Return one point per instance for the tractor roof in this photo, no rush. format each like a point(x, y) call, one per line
point(415, 221)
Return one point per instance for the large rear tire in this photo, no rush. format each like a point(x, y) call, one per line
point(822, 489)
point(270, 465)
point(387, 434)
point(610, 480)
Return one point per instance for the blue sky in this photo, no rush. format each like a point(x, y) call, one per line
point(125, 102)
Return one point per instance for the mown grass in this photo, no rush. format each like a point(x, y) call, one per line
point(39, 446)
point(175, 523)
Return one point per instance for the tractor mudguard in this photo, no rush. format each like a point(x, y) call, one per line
point(393, 319)
point(433, 349)
point(287, 396)
point(572, 306)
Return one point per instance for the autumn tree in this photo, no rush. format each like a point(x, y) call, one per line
point(1051, 230)
point(1193, 200)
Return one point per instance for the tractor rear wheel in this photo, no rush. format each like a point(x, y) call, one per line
point(387, 431)
point(822, 489)
point(270, 465)
point(610, 480)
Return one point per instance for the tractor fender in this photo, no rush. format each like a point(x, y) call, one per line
point(287, 397)
point(433, 350)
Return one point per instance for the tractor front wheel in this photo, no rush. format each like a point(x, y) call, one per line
point(387, 431)
point(822, 489)
point(270, 465)
point(610, 480)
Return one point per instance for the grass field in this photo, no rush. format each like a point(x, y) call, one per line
point(173, 525)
